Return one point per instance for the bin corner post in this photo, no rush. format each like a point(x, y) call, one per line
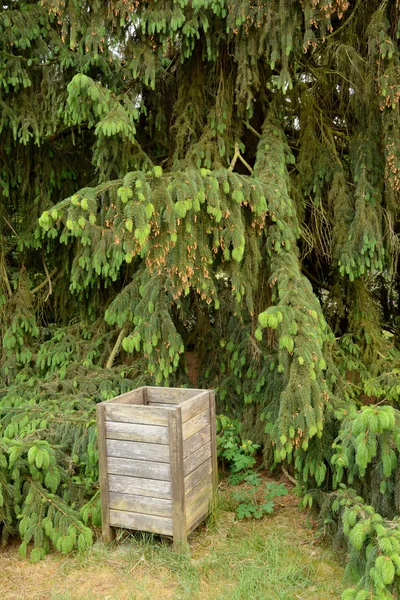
point(214, 459)
point(177, 480)
point(107, 532)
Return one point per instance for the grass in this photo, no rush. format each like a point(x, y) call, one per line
point(276, 558)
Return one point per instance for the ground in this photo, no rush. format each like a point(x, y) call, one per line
point(276, 558)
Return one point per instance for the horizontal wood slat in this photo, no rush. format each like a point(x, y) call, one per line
point(140, 504)
point(198, 512)
point(202, 490)
point(170, 395)
point(140, 522)
point(197, 475)
point(196, 459)
point(133, 432)
point(164, 404)
point(146, 415)
point(197, 440)
point(138, 450)
point(195, 424)
point(194, 406)
point(139, 468)
point(134, 397)
point(140, 486)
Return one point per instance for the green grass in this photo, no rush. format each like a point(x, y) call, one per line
point(275, 558)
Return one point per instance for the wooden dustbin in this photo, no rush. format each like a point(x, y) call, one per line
point(158, 460)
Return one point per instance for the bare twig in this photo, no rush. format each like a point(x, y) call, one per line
point(4, 276)
point(10, 226)
point(246, 164)
point(45, 282)
point(286, 474)
point(236, 156)
point(48, 278)
point(257, 133)
point(115, 350)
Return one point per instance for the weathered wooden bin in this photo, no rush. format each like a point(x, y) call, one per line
point(158, 460)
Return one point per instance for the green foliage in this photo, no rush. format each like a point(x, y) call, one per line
point(374, 548)
point(48, 458)
point(209, 177)
point(255, 500)
point(232, 448)
point(367, 454)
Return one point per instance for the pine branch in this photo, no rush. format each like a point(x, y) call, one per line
point(66, 131)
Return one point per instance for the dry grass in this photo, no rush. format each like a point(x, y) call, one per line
point(276, 558)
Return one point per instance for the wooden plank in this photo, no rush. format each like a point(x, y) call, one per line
point(140, 486)
point(198, 475)
point(177, 478)
point(133, 397)
point(133, 432)
point(194, 406)
point(164, 404)
point(196, 423)
point(107, 533)
point(139, 468)
point(146, 415)
point(140, 504)
point(203, 490)
point(140, 522)
point(197, 440)
point(170, 395)
point(197, 522)
point(138, 450)
point(198, 513)
point(195, 459)
point(214, 458)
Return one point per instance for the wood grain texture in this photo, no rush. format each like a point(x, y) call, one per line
point(170, 395)
point(146, 415)
point(177, 478)
point(138, 450)
point(197, 458)
point(140, 486)
point(196, 476)
point(198, 513)
point(164, 404)
point(139, 468)
point(140, 522)
point(140, 504)
point(197, 440)
point(194, 406)
point(133, 432)
point(196, 522)
point(107, 533)
point(214, 457)
point(133, 397)
point(195, 424)
point(203, 490)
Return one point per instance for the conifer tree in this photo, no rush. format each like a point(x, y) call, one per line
point(214, 176)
